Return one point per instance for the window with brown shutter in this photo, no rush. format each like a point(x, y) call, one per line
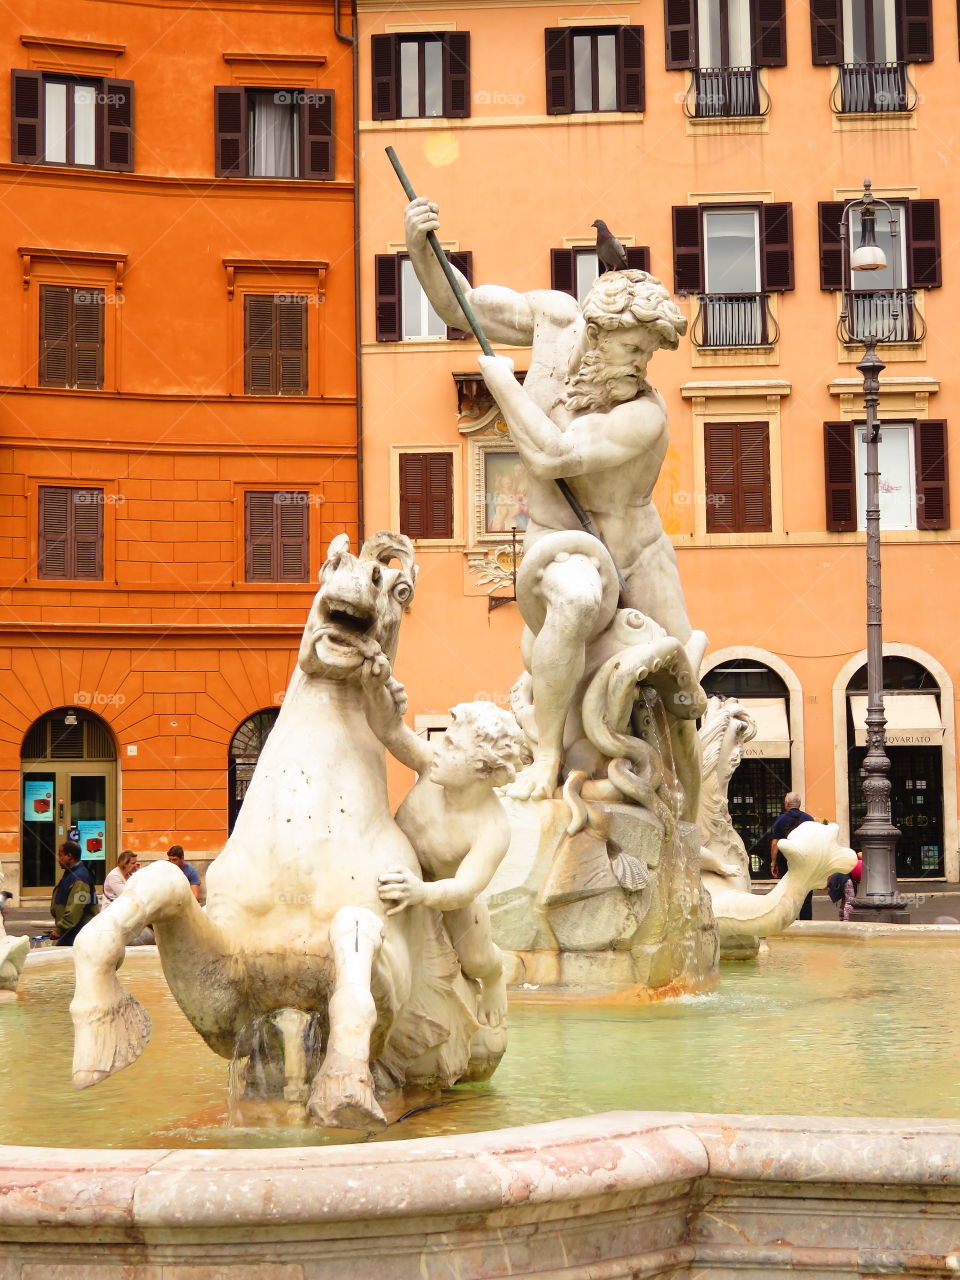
point(687, 249)
point(680, 30)
point(71, 337)
point(276, 536)
point(573, 271)
point(840, 476)
point(594, 69)
point(421, 76)
point(826, 32)
point(403, 310)
point(769, 33)
point(913, 22)
point(776, 247)
point(737, 477)
point(924, 255)
point(275, 345)
point(845, 479)
point(70, 534)
point(274, 133)
point(933, 477)
point(69, 120)
point(426, 495)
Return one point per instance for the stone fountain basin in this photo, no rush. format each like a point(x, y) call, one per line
point(620, 1194)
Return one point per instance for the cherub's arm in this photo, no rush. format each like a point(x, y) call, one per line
point(403, 888)
point(385, 700)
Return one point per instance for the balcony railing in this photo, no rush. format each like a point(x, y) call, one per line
point(725, 92)
point(872, 87)
point(868, 313)
point(734, 320)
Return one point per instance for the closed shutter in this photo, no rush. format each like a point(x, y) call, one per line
point(462, 262)
point(559, 66)
point(840, 476)
point(87, 539)
point(923, 240)
point(563, 271)
point(53, 532)
point(753, 465)
point(737, 458)
point(293, 537)
point(385, 57)
point(769, 36)
point(638, 257)
point(117, 125)
point(387, 277)
point(831, 251)
point(259, 364)
point(230, 129)
point(426, 495)
point(290, 327)
point(680, 32)
point(933, 478)
point(70, 543)
point(630, 80)
point(26, 96)
point(87, 351)
point(259, 536)
point(316, 131)
point(687, 249)
point(456, 74)
point(55, 336)
point(915, 19)
point(826, 30)
point(720, 442)
point(776, 247)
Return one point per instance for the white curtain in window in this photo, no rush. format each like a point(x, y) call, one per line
point(732, 255)
point(55, 123)
point(84, 124)
point(898, 482)
point(273, 135)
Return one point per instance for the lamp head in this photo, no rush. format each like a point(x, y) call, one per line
point(868, 256)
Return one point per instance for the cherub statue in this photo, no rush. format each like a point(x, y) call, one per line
point(455, 822)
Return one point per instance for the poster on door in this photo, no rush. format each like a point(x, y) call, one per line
point(93, 841)
point(37, 800)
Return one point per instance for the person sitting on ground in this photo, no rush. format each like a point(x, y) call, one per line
point(175, 855)
point(74, 900)
point(116, 880)
point(456, 825)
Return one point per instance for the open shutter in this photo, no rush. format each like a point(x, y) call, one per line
point(638, 257)
point(933, 478)
point(26, 136)
point(413, 494)
point(55, 341)
point(385, 56)
point(293, 556)
point(559, 65)
point(230, 127)
point(753, 467)
point(687, 249)
point(915, 20)
point(462, 262)
point(923, 239)
point(630, 80)
point(831, 252)
point(719, 446)
point(563, 271)
point(387, 274)
point(316, 132)
point(456, 74)
point(769, 42)
point(291, 329)
point(259, 344)
point(826, 32)
point(117, 125)
point(840, 476)
point(86, 510)
point(88, 307)
point(680, 33)
point(260, 537)
point(54, 527)
point(776, 247)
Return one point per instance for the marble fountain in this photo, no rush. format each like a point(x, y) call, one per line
point(376, 1122)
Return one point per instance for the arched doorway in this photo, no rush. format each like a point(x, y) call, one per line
point(245, 747)
point(914, 744)
point(765, 774)
point(68, 784)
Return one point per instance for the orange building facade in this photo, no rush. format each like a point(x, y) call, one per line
point(719, 142)
point(178, 406)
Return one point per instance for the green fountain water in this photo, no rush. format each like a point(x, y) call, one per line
point(816, 1028)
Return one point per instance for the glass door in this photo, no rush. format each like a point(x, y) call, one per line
point(40, 829)
point(88, 818)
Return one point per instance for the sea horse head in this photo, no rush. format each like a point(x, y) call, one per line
point(355, 616)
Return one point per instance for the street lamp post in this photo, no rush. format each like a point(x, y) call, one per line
point(879, 897)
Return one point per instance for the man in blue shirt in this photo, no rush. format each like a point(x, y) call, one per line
point(791, 817)
point(175, 855)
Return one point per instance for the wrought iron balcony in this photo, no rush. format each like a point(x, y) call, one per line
point(886, 315)
point(724, 93)
point(734, 320)
point(872, 87)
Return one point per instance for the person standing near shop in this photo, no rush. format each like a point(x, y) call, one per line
point(791, 817)
point(74, 900)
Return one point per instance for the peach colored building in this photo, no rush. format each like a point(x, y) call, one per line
point(178, 425)
point(721, 137)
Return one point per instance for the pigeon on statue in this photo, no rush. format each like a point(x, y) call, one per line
point(610, 251)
